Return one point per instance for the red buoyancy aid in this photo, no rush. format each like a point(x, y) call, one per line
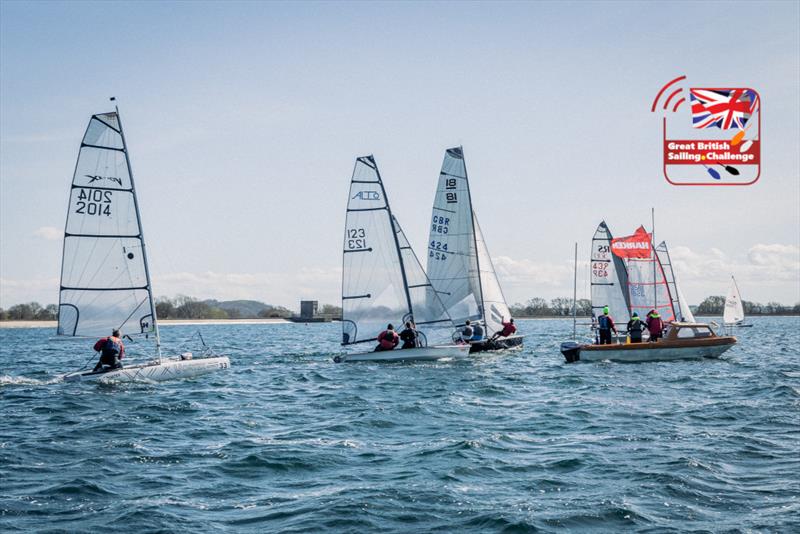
point(508, 329)
point(388, 339)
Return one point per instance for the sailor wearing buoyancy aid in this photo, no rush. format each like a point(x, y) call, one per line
point(111, 350)
point(655, 325)
point(605, 324)
point(635, 328)
point(388, 339)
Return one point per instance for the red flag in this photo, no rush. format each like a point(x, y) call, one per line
point(632, 246)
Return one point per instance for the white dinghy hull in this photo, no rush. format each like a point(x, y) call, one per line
point(420, 354)
point(167, 369)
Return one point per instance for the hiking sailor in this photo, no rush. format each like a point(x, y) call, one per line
point(388, 339)
point(605, 324)
point(508, 329)
point(111, 350)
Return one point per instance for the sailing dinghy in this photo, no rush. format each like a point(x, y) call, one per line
point(459, 265)
point(105, 279)
point(383, 281)
point(733, 314)
point(639, 282)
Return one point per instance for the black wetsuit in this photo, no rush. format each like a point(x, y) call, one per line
point(635, 327)
point(409, 338)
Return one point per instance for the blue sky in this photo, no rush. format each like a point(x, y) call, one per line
point(244, 119)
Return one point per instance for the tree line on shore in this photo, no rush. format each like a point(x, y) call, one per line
point(714, 306)
point(182, 307)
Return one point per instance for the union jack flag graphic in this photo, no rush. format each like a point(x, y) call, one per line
point(722, 108)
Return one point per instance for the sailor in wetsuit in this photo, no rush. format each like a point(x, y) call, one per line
point(408, 336)
point(111, 350)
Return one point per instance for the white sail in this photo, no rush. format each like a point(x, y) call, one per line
point(427, 311)
point(609, 278)
point(459, 264)
point(452, 263)
point(494, 303)
point(679, 304)
point(734, 309)
point(382, 279)
point(105, 282)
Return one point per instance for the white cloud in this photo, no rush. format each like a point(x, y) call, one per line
point(50, 233)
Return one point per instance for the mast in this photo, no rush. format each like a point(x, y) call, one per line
point(655, 258)
point(575, 295)
point(474, 237)
point(396, 241)
point(141, 234)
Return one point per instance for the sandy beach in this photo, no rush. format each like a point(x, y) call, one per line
point(164, 322)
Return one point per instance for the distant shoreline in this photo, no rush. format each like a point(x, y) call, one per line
point(163, 322)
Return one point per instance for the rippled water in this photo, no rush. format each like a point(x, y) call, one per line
point(288, 441)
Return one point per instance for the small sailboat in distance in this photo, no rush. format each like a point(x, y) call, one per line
point(733, 313)
point(105, 278)
point(459, 264)
point(383, 281)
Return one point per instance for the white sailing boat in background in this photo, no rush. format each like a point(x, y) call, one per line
point(733, 314)
point(383, 281)
point(459, 264)
point(105, 279)
point(680, 306)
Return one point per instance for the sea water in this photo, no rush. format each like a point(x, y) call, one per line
point(285, 440)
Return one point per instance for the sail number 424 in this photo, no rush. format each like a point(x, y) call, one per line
point(94, 202)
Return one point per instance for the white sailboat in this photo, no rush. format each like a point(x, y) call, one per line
point(383, 281)
point(459, 264)
point(105, 278)
point(733, 314)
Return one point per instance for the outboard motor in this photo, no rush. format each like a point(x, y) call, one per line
point(571, 351)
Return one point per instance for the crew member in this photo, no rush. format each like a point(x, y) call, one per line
point(635, 327)
point(409, 336)
point(605, 324)
point(477, 332)
point(467, 332)
point(508, 329)
point(388, 339)
point(111, 350)
point(655, 325)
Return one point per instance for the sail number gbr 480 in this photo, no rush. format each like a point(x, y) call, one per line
point(94, 202)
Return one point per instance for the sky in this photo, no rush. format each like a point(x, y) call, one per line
point(243, 121)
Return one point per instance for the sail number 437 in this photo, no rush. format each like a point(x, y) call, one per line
point(94, 202)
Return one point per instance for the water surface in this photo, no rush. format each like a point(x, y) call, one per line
point(288, 441)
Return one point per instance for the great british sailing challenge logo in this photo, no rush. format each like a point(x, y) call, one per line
point(711, 135)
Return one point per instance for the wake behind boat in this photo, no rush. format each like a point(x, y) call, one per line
point(105, 278)
point(383, 281)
